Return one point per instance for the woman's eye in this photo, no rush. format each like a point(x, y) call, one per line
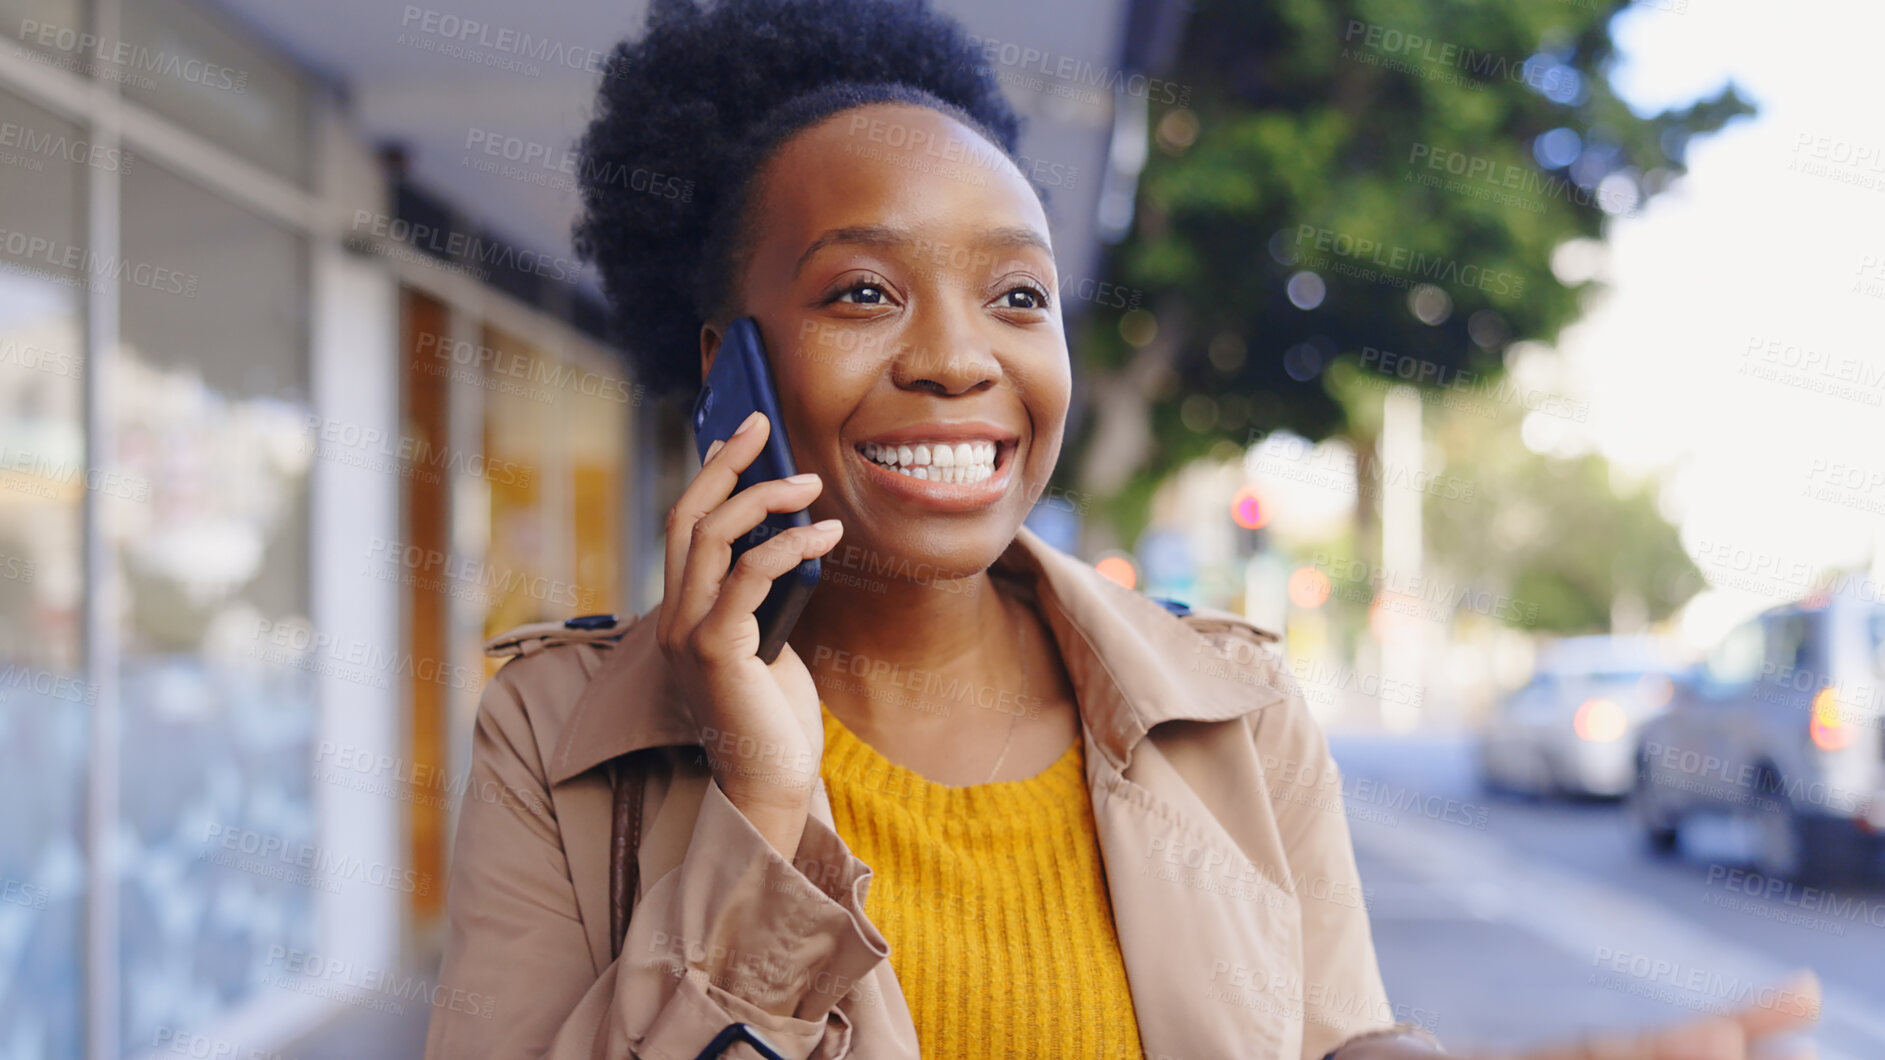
point(867, 294)
point(1024, 298)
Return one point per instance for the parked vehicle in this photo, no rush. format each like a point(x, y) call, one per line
point(1781, 729)
point(1571, 730)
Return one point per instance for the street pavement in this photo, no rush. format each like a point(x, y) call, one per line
point(1502, 922)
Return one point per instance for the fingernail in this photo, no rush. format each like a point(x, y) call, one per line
point(751, 421)
point(712, 449)
point(824, 525)
point(1805, 982)
point(803, 478)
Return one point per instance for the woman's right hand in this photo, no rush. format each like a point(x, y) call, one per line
point(1791, 1007)
point(1736, 1035)
point(759, 723)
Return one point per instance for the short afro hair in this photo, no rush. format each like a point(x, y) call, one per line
point(696, 106)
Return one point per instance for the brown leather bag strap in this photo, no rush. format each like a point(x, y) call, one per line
point(625, 778)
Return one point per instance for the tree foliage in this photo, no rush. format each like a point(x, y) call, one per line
point(1420, 161)
point(1564, 537)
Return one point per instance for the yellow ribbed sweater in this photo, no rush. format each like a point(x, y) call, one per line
point(993, 899)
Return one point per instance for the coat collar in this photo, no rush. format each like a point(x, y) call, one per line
point(1133, 665)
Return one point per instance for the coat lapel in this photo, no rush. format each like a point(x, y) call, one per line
point(1210, 944)
point(583, 813)
point(1210, 940)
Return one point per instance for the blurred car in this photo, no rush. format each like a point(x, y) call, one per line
point(1781, 729)
point(1571, 730)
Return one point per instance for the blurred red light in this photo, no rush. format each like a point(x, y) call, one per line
point(1118, 569)
point(1828, 729)
point(1248, 510)
point(1308, 587)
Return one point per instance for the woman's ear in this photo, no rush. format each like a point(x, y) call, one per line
point(710, 336)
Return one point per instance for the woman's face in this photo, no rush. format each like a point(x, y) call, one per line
point(902, 279)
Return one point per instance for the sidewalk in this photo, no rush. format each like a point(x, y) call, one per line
point(368, 1035)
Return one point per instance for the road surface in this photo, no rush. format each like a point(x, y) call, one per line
point(1503, 921)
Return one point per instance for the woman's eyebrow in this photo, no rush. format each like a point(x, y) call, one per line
point(1005, 237)
point(859, 235)
point(1012, 237)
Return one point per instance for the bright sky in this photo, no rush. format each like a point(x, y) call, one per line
point(1733, 322)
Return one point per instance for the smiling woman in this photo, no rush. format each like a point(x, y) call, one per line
point(986, 802)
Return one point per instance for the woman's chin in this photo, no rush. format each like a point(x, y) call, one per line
point(871, 566)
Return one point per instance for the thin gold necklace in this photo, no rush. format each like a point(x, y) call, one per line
point(1005, 744)
point(1027, 687)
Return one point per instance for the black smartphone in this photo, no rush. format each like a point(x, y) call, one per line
point(739, 384)
point(739, 1032)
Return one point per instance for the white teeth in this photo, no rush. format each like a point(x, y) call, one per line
point(962, 462)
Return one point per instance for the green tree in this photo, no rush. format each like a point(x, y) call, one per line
point(1413, 165)
point(1564, 539)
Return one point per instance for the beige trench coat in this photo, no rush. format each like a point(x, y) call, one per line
point(1232, 879)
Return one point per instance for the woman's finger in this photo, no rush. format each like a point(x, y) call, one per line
point(1713, 1039)
point(710, 549)
point(719, 474)
point(1791, 1006)
point(745, 588)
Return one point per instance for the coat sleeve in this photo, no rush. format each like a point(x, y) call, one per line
point(735, 933)
point(1343, 996)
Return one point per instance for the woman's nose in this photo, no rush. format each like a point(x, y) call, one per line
point(947, 357)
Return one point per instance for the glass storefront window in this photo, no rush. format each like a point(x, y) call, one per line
point(598, 422)
point(46, 31)
point(521, 436)
point(44, 698)
point(179, 61)
point(556, 524)
point(217, 833)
